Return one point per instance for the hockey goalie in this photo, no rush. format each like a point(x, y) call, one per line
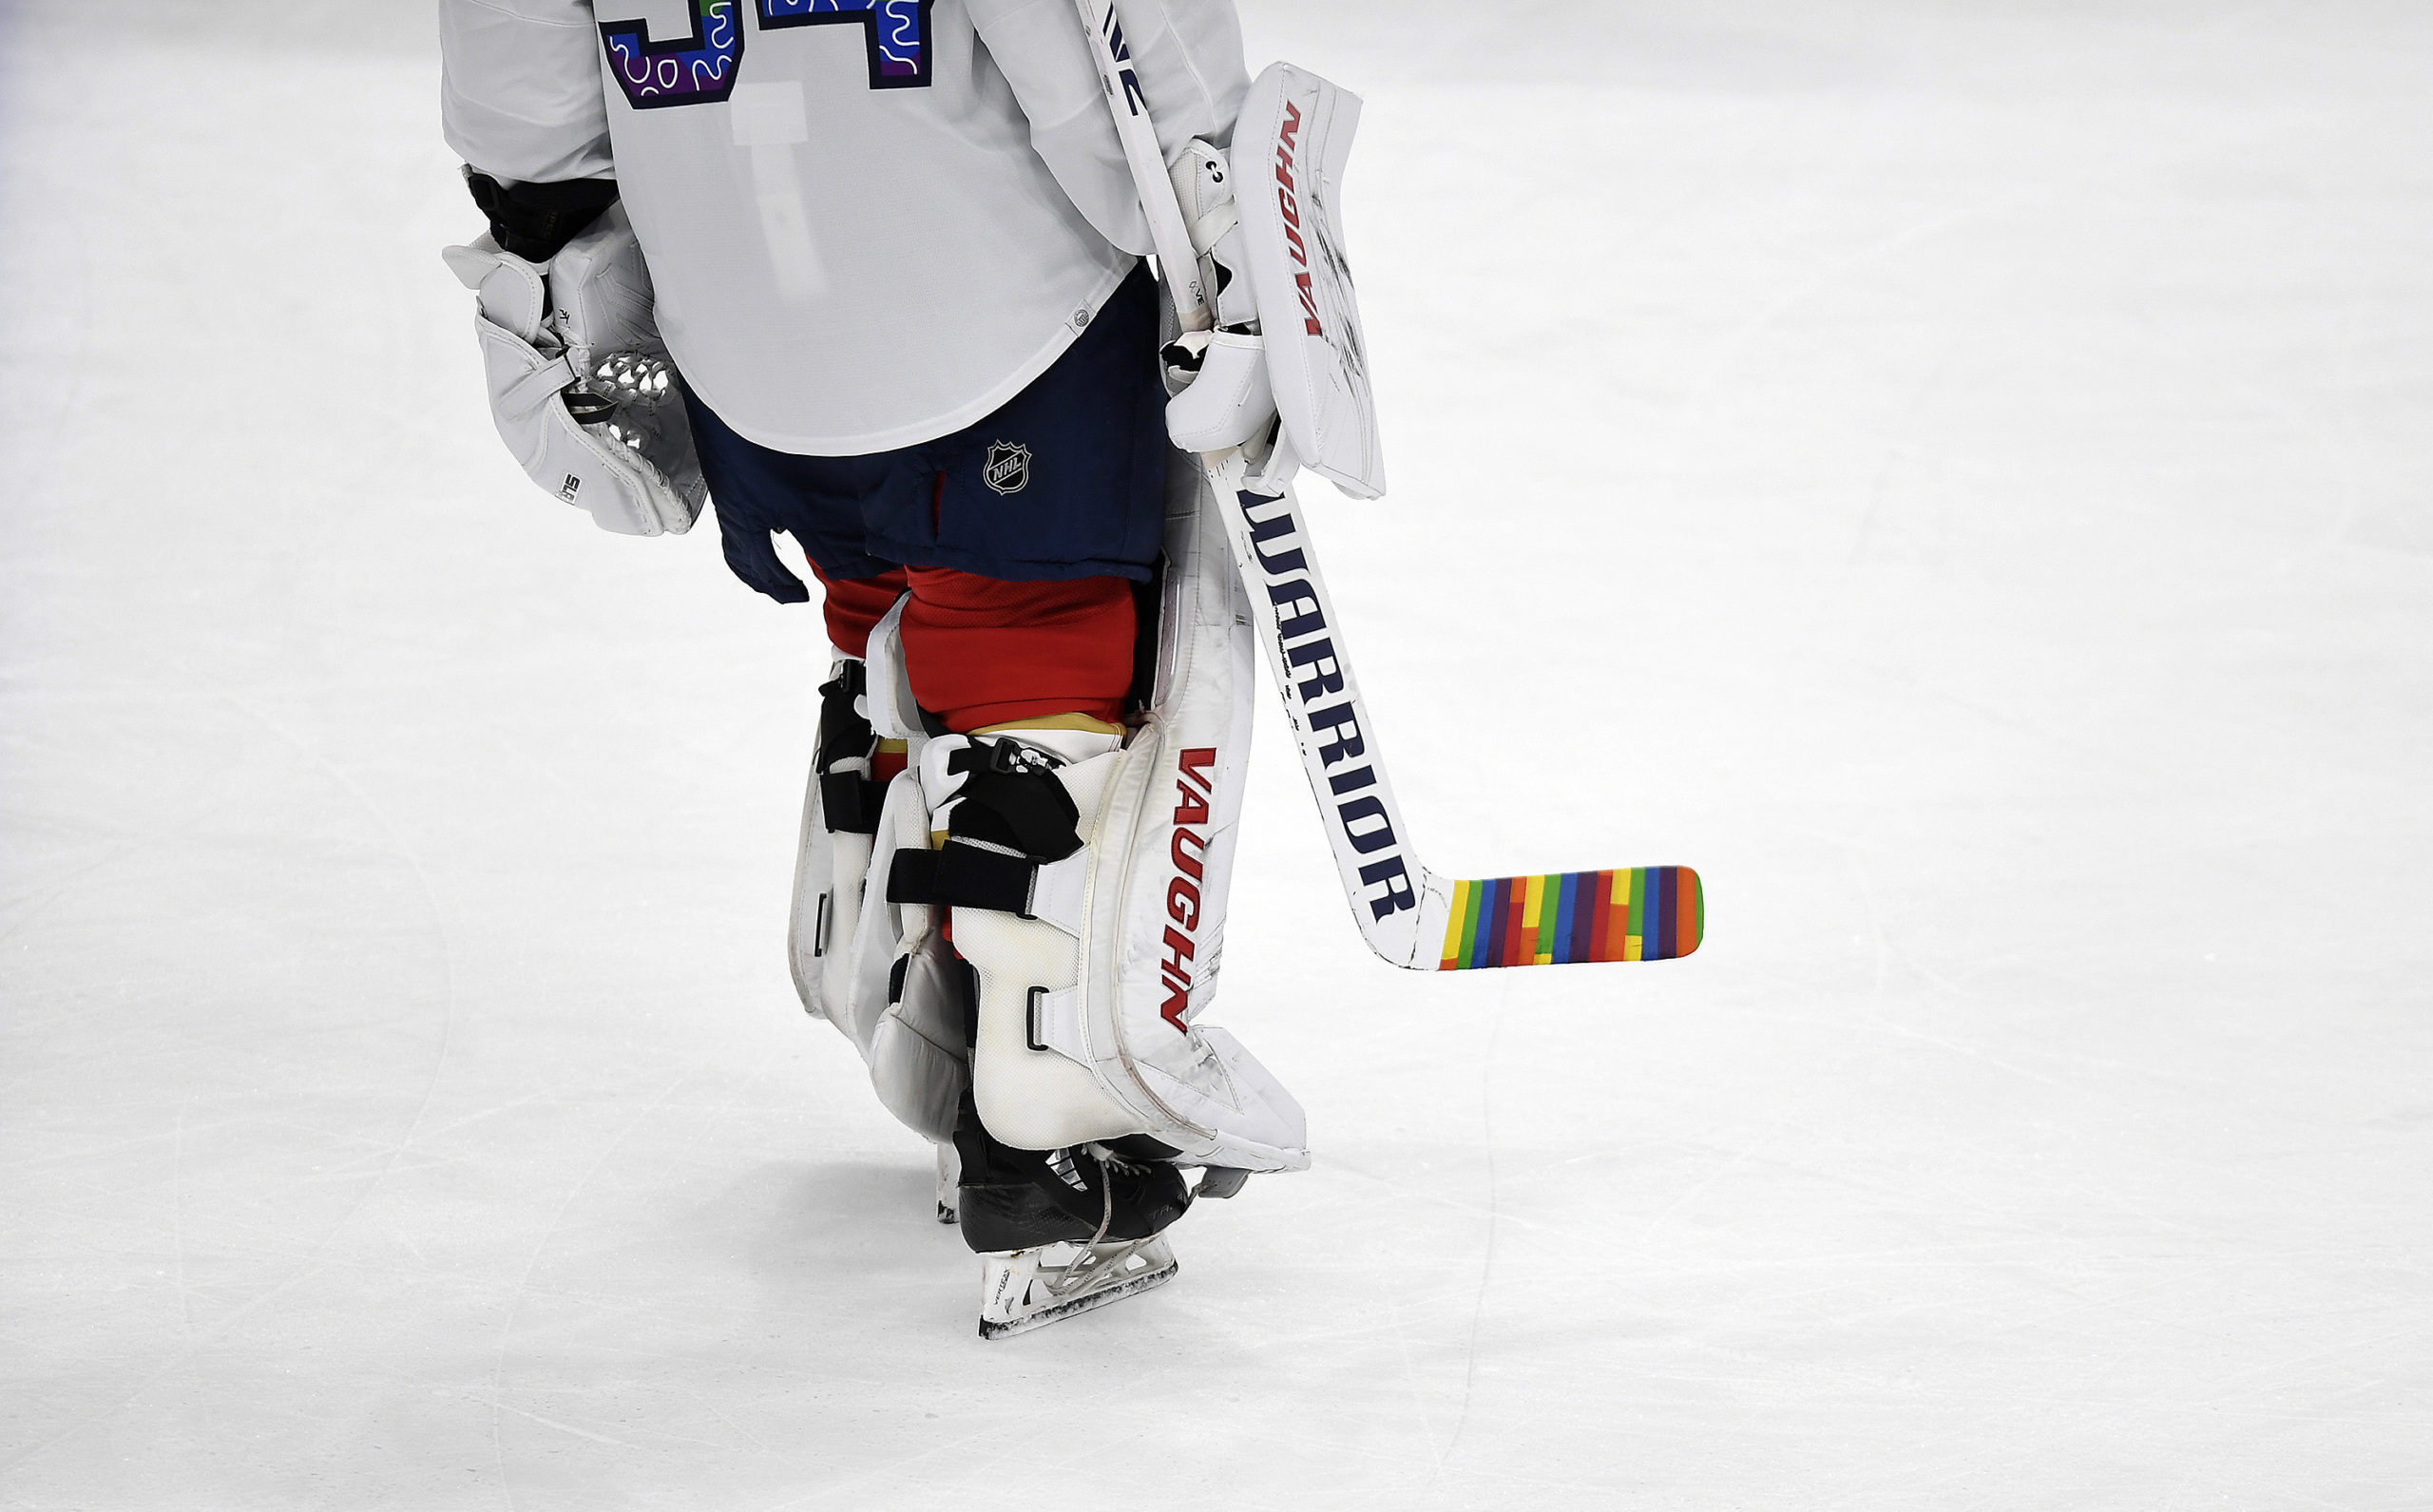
point(869, 275)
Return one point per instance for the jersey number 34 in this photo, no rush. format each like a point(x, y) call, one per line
point(699, 67)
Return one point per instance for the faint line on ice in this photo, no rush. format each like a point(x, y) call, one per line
point(1486, 1262)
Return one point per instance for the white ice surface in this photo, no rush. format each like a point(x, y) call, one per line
point(1962, 476)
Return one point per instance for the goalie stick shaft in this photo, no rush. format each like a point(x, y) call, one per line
point(1138, 134)
point(1409, 916)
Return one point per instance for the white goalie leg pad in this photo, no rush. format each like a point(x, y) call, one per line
point(1027, 966)
point(863, 940)
point(1094, 962)
point(879, 972)
point(832, 850)
point(840, 810)
point(917, 1060)
point(904, 996)
point(811, 914)
point(1157, 934)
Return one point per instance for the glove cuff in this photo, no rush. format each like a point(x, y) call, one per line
point(535, 221)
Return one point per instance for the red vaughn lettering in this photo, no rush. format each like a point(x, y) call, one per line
point(1195, 791)
point(1287, 200)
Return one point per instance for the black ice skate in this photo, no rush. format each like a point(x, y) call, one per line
point(1062, 1231)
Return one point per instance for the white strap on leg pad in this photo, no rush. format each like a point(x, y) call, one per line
point(893, 712)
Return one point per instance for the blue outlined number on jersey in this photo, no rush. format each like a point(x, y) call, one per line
point(895, 34)
point(695, 68)
point(700, 66)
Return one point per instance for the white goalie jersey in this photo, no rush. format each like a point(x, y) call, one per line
point(869, 224)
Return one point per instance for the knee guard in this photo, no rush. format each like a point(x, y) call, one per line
point(1088, 890)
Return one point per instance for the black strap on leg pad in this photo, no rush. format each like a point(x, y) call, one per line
point(1010, 801)
point(842, 729)
point(961, 876)
point(850, 802)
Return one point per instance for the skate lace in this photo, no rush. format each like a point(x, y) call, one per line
point(1106, 1203)
point(1078, 1273)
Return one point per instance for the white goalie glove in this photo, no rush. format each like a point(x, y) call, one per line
point(1287, 342)
point(579, 380)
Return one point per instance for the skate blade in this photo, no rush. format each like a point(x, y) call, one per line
point(1062, 1311)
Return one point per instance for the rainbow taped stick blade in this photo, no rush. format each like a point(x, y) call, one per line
point(1641, 913)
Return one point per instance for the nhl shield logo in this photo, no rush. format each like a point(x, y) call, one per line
point(1007, 469)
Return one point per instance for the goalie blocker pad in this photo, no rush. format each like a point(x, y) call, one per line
point(1095, 939)
point(1288, 155)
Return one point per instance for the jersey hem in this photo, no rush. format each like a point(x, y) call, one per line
point(990, 402)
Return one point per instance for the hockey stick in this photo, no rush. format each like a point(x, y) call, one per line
point(1409, 915)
